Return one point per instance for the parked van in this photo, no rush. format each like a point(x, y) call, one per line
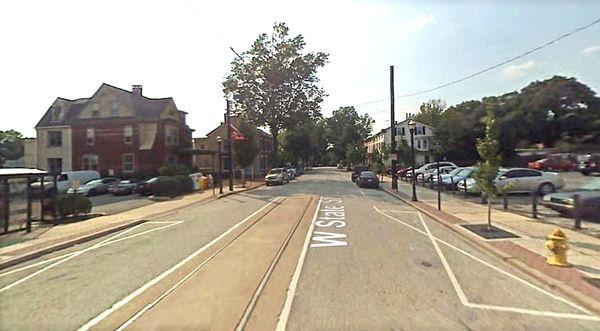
point(68, 179)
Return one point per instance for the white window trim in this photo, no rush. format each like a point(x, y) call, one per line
point(88, 137)
point(132, 170)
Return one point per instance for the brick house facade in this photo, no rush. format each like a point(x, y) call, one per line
point(115, 131)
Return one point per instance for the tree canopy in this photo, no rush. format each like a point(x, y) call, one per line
point(275, 83)
point(11, 145)
point(347, 128)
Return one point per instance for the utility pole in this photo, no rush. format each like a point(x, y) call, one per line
point(229, 147)
point(393, 131)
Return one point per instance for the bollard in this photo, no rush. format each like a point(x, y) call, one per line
point(534, 204)
point(504, 201)
point(452, 185)
point(465, 183)
point(423, 179)
point(576, 211)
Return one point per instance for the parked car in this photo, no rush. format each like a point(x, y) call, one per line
point(357, 169)
point(403, 171)
point(590, 163)
point(520, 180)
point(149, 187)
point(68, 179)
point(124, 187)
point(308, 168)
point(95, 187)
point(456, 176)
point(443, 171)
point(426, 169)
point(589, 200)
point(563, 162)
point(291, 173)
point(277, 176)
point(367, 179)
point(340, 166)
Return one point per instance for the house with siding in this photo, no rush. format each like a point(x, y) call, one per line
point(115, 131)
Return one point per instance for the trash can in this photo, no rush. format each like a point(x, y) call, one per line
point(203, 183)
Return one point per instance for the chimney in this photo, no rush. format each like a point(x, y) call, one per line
point(136, 90)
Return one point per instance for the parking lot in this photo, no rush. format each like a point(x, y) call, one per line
point(113, 204)
point(522, 204)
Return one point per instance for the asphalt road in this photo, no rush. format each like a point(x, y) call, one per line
point(314, 254)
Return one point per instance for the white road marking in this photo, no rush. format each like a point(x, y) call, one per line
point(461, 295)
point(166, 273)
point(590, 316)
point(106, 242)
point(361, 192)
point(24, 279)
point(287, 306)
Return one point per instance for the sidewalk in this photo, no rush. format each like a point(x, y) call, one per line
point(20, 246)
point(528, 250)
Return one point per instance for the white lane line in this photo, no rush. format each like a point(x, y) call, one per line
point(361, 192)
point(24, 279)
point(287, 307)
point(533, 312)
point(461, 295)
point(166, 273)
point(162, 222)
point(524, 282)
point(107, 242)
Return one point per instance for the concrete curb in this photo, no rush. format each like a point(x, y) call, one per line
point(575, 295)
point(81, 239)
point(67, 243)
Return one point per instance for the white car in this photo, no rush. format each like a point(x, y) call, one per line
point(443, 171)
point(96, 186)
point(425, 170)
point(520, 180)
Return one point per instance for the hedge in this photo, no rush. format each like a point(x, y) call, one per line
point(73, 204)
point(173, 186)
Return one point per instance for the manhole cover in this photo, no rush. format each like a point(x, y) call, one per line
point(426, 264)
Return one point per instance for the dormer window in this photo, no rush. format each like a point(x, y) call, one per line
point(114, 111)
point(95, 110)
point(56, 113)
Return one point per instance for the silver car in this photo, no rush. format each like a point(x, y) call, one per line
point(96, 186)
point(520, 180)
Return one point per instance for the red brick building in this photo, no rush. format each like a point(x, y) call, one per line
point(115, 131)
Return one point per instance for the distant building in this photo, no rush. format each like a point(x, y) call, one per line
point(115, 131)
point(424, 137)
point(205, 162)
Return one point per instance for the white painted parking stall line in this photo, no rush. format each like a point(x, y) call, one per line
point(465, 301)
point(167, 272)
point(287, 306)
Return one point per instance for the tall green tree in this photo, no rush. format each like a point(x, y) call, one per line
point(488, 148)
point(347, 128)
point(245, 151)
point(430, 112)
point(356, 153)
point(275, 84)
point(11, 146)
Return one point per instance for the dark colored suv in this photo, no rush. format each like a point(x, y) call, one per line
point(590, 163)
point(357, 169)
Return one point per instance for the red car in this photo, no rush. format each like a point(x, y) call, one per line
point(554, 162)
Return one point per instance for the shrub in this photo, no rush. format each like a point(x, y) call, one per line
point(185, 184)
point(174, 170)
point(73, 204)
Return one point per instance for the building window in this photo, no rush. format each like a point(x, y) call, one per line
point(418, 143)
point(114, 111)
point(423, 130)
point(90, 162)
point(424, 143)
point(54, 138)
point(56, 112)
point(128, 134)
point(55, 165)
point(128, 163)
point(202, 146)
point(171, 136)
point(402, 131)
point(95, 110)
point(90, 137)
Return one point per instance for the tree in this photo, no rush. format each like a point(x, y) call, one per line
point(245, 151)
point(347, 128)
point(11, 146)
point(430, 112)
point(275, 84)
point(488, 148)
point(356, 154)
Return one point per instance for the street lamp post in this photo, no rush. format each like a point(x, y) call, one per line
point(411, 127)
point(219, 142)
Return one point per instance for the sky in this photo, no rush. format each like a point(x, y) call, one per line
point(180, 49)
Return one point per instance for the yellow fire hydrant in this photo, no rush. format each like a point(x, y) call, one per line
point(558, 246)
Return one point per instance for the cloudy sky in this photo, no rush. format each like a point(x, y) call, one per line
point(180, 48)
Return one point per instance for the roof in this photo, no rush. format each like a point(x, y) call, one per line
point(21, 172)
point(144, 107)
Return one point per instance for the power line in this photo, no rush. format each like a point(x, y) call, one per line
point(490, 68)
